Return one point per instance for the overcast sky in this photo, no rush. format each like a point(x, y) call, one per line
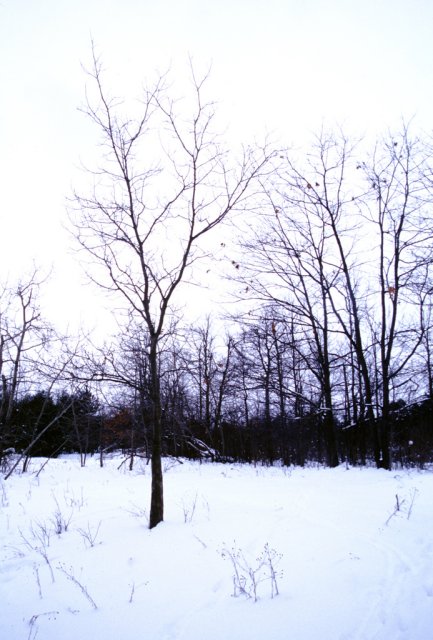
point(282, 66)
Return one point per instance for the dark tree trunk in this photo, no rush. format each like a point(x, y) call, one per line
point(157, 491)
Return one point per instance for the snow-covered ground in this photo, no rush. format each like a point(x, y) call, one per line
point(348, 565)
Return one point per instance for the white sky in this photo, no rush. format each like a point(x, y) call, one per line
point(282, 66)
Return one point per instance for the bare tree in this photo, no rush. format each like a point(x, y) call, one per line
point(395, 174)
point(291, 264)
point(24, 335)
point(163, 184)
point(328, 191)
point(210, 368)
point(344, 246)
point(425, 291)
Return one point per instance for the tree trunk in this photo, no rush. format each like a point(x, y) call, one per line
point(157, 490)
point(329, 428)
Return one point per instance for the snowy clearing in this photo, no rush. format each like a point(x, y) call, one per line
point(350, 552)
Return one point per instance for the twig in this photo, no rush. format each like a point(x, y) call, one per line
point(33, 619)
point(70, 576)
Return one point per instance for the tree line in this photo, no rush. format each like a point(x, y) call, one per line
point(249, 398)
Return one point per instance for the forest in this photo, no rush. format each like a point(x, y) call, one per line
point(324, 354)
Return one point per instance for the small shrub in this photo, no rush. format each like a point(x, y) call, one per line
point(60, 521)
point(248, 576)
point(89, 535)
